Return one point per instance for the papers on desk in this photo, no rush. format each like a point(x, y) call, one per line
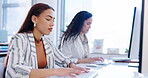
point(3, 48)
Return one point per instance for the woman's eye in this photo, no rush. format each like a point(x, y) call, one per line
point(48, 19)
point(88, 23)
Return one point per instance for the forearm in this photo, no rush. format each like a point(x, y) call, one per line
point(82, 61)
point(41, 73)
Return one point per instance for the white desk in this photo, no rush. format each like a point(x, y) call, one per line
point(115, 70)
point(119, 70)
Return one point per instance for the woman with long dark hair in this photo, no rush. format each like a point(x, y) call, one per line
point(32, 55)
point(74, 43)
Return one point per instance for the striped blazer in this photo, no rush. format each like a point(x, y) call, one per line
point(23, 58)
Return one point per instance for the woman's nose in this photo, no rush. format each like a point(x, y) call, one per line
point(52, 23)
point(89, 26)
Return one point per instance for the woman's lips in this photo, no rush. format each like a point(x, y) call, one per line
point(50, 29)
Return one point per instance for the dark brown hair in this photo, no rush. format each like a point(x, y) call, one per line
point(76, 25)
point(36, 10)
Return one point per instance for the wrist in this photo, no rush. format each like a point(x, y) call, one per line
point(71, 65)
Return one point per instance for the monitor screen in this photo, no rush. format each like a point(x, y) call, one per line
point(135, 33)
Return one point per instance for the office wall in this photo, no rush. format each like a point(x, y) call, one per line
point(145, 41)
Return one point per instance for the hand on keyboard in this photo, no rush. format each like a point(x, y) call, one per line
point(90, 74)
point(92, 59)
point(105, 62)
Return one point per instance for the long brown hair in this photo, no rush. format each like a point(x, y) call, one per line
point(36, 10)
point(76, 25)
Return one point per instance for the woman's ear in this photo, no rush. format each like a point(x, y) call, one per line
point(34, 19)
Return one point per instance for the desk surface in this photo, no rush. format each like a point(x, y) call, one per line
point(118, 70)
point(115, 70)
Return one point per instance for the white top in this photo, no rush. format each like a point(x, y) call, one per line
point(76, 49)
point(22, 57)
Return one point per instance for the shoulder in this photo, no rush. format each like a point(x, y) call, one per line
point(19, 39)
point(20, 36)
point(72, 40)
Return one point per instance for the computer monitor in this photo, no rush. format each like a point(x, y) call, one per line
point(135, 32)
point(143, 51)
point(131, 46)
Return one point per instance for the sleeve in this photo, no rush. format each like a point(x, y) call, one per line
point(66, 49)
point(16, 67)
point(60, 59)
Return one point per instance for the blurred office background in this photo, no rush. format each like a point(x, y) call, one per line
point(112, 22)
point(112, 19)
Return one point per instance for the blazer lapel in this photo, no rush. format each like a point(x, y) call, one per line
point(49, 52)
point(33, 50)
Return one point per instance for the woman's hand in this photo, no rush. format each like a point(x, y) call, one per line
point(42, 73)
point(72, 65)
point(92, 59)
point(67, 72)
